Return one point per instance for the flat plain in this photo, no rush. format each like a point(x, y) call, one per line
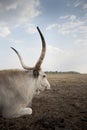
point(64, 107)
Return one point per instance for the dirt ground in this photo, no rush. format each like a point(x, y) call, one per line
point(64, 107)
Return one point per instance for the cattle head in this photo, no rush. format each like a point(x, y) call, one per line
point(40, 78)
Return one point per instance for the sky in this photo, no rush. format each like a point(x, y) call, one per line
point(63, 24)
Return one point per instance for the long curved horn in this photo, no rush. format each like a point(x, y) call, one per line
point(39, 62)
point(22, 63)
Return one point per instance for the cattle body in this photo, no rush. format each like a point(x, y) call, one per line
point(18, 87)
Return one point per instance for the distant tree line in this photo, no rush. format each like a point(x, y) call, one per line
point(62, 72)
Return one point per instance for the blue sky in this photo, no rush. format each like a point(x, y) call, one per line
point(64, 26)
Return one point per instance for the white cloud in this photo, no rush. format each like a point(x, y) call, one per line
point(11, 6)
point(52, 26)
point(65, 60)
point(53, 49)
point(8, 5)
point(83, 29)
point(4, 31)
point(64, 17)
point(81, 41)
point(16, 41)
point(71, 25)
point(18, 11)
point(85, 6)
point(71, 17)
point(53, 58)
point(75, 3)
point(68, 26)
point(31, 28)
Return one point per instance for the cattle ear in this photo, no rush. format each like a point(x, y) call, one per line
point(35, 73)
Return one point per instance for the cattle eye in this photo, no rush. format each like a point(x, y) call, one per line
point(35, 73)
point(44, 76)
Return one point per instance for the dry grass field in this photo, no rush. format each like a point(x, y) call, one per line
point(64, 107)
